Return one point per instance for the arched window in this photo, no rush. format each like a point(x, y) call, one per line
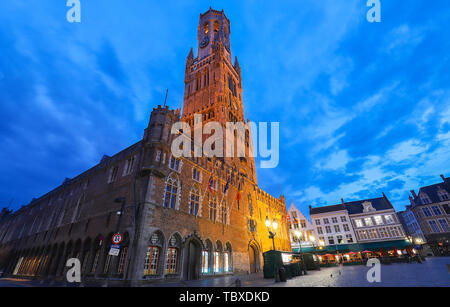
point(217, 258)
point(172, 255)
point(151, 260)
point(224, 212)
point(227, 259)
point(216, 26)
point(97, 250)
point(121, 265)
point(206, 255)
point(76, 212)
point(152, 256)
point(250, 204)
point(206, 28)
point(108, 258)
point(194, 204)
point(170, 198)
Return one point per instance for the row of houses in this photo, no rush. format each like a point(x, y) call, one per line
point(374, 225)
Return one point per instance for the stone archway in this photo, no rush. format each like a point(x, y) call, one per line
point(192, 259)
point(254, 257)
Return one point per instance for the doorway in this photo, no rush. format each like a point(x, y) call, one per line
point(253, 258)
point(192, 260)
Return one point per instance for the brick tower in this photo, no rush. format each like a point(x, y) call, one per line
point(213, 85)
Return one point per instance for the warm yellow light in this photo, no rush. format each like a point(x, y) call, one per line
point(267, 221)
point(298, 233)
point(311, 238)
point(275, 224)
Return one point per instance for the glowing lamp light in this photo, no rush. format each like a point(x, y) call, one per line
point(275, 224)
point(311, 238)
point(267, 221)
point(399, 252)
point(298, 234)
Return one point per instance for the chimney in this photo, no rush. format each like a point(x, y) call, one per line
point(413, 193)
point(342, 201)
point(443, 177)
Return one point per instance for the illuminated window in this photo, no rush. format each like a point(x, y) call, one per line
point(151, 261)
point(205, 262)
point(216, 262)
point(216, 26)
point(368, 221)
point(358, 223)
point(206, 28)
point(378, 220)
point(172, 257)
point(226, 260)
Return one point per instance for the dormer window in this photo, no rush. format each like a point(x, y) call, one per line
point(443, 195)
point(424, 198)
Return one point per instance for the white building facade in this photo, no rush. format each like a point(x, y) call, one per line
point(332, 225)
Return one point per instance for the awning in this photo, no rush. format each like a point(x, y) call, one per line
point(346, 248)
point(386, 245)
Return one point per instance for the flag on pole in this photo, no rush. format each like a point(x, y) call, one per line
point(227, 186)
point(211, 184)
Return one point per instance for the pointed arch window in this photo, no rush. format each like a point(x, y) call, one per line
point(194, 204)
point(172, 255)
point(151, 260)
point(212, 209)
point(171, 193)
point(224, 212)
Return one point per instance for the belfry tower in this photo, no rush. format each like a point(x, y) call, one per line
point(213, 83)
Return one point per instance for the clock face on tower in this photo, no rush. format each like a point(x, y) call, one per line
point(204, 42)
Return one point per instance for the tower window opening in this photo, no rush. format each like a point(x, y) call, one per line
point(206, 28)
point(216, 26)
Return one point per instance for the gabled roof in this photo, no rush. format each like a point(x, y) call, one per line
point(326, 209)
point(356, 207)
point(432, 192)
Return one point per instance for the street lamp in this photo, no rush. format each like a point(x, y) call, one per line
point(313, 242)
point(298, 234)
point(273, 232)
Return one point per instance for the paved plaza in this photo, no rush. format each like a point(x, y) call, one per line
point(433, 272)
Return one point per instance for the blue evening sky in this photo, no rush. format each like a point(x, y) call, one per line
point(364, 108)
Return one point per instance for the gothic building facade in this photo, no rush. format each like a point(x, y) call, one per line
point(181, 218)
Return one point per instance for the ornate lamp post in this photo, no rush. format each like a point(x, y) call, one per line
point(298, 234)
point(272, 230)
point(313, 242)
